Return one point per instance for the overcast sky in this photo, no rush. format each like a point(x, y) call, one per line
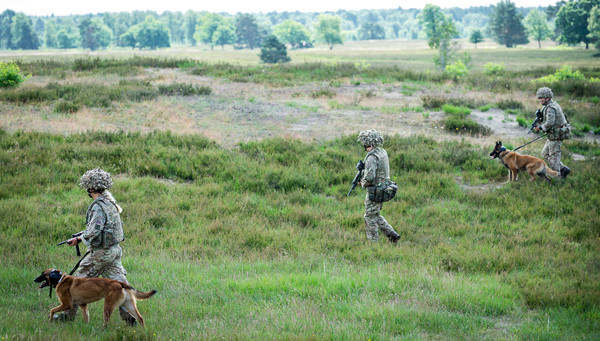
point(66, 7)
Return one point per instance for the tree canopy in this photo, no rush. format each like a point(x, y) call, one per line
point(440, 29)
point(506, 25)
point(293, 33)
point(328, 29)
point(572, 21)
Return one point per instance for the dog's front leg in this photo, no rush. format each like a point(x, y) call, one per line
point(61, 307)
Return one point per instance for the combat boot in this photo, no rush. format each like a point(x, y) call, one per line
point(394, 237)
point(564, 172)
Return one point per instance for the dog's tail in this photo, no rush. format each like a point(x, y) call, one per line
point(550, 171)
point(139, 295)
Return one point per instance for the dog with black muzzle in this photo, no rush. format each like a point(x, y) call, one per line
point(516, 162)
point(82, 291)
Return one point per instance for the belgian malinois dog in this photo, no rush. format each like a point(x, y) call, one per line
point(516, 162)
point(81, 291)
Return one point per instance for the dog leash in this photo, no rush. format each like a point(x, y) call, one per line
point(77, 265)
point(537, 138)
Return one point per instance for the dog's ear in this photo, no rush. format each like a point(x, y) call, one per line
point(54, 276)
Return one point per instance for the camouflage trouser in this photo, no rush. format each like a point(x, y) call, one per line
point(105, 263)
point(374, 221)
point(552, 153)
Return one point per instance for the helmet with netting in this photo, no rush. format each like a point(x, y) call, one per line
point(544, 93)
point(96, 179)
point(370, 138)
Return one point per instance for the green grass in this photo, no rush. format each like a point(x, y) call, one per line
point(261, 242)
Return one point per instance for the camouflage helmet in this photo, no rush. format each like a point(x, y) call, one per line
point(96, 179)
point(544, 93)
point(370, 138)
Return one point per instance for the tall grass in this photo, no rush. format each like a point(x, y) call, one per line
point(261, 242)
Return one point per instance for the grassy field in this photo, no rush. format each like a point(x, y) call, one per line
point(245, 229)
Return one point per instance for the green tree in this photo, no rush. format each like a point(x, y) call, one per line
point(50, 35)
point(292, 32)
point(594, 27)
point(328, 28)
point(189, 26)
point(128, 38)
point(439, 29)
point(572, 21)
point(6, 38)
point(94, 34)
point(224, 35)
point(152, 34)
point(506, 25)
point(537, 25)
point(273, 51)
point(66, 38)
point(207, 27)
point(173, 22)
point(371, 30)
point(23, 35)
point(476, 37)
point(246, 30)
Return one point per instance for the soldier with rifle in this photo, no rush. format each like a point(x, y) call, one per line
point(556, 125)
point(103, 233)
point(374, 175)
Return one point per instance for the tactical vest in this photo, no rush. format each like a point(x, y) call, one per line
point(382, 174)
point(561, 129)
point(112, 233)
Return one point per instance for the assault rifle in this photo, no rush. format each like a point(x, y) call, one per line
point(360, 166)
point(76, 246)
point(539, 117)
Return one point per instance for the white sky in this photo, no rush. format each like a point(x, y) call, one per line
point(66, 7)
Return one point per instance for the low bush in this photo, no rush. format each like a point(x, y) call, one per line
point(64, 106)
point(181, 89)
point(493, 69)
point(458, 124)
point(10, 75)
point(509, 104)
point(323, 93)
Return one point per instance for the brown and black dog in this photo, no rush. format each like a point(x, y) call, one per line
point(81, 291)
point(516, 162)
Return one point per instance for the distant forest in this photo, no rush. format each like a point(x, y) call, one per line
point(148, 29)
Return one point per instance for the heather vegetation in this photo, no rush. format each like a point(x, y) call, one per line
point(250, 234)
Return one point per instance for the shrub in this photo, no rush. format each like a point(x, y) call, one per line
point(180, 89)
point(509, 104)
point(484, 108)
point(457, 124)
point(457, 70)
point(10, 75)
point(454, 110)
point(522, 121)
point(562, 74)
point(64, 106)
point(273, 51)
point(597, 131)
point(491, 69)
point(323, 93)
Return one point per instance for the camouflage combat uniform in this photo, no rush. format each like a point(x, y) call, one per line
point(377, 170)
point(553, 120)
point(104, 231)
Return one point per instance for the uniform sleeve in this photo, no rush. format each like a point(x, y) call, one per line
point(92, 236)
point(550, 119)
point(370, 170)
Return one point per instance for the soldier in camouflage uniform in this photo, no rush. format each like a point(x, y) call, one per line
point(103, 233)
point(377, 171)
point(557, 128)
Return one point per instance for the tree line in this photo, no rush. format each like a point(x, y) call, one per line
point(572, 22)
